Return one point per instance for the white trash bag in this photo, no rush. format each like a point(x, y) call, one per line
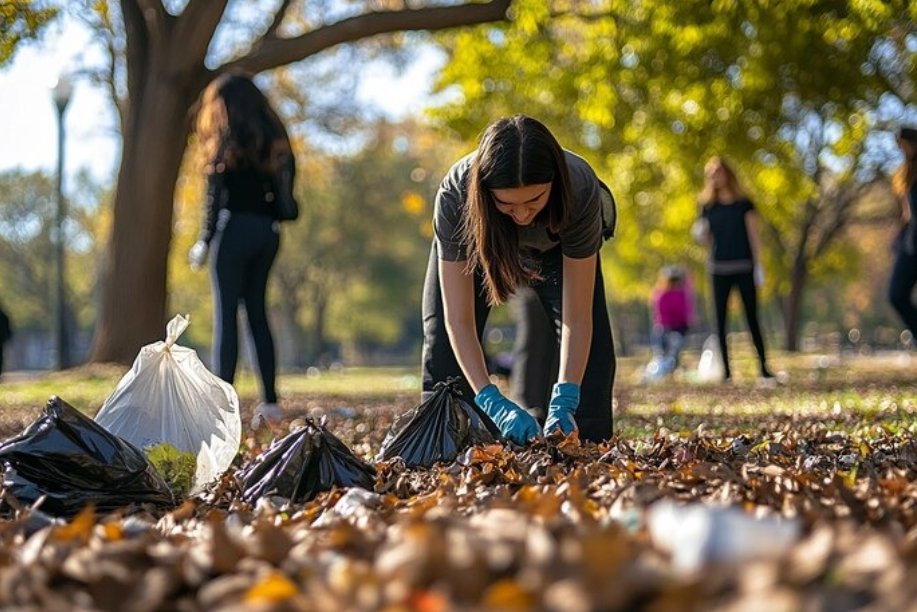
point(710, 366)
point(170, 397)
point(698, 535)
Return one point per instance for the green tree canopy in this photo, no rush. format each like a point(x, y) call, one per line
point(793, 93)
point(22, 21)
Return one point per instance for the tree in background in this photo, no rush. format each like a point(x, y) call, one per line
point(22, 22)
point(162, 56)
point(27, 212)
point(350, 270)
point(792, 93)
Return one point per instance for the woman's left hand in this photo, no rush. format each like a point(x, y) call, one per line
point(564, 402)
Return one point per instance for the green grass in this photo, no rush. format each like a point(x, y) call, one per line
point(87, 387)
point(843, 394)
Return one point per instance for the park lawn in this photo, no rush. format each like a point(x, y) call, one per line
point(832, 450)
point(844, 393)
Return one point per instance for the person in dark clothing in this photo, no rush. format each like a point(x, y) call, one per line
point(6, 332)
point(729, 225)
point(535, 354)
point(521, 211)
point(247, 151)
point(904, 272)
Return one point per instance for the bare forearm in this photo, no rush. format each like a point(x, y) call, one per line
point(468, 352)
point(458, 311)
point(754, 241)
point(575, 342)
point(576, 327)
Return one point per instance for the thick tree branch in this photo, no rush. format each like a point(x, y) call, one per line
point(279, 16)
point(194, 31)
point(155, 16)
point(274, 52)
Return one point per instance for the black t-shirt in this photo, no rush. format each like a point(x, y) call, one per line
point(731, 251)
point(581, 238)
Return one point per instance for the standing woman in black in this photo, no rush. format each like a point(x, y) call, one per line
point(904, 273)
point(731, 232)
point(521, 211)
point(247, 149)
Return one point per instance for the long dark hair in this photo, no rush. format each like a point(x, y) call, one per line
point(238, 127)
point(513, 152)
point(907, 172)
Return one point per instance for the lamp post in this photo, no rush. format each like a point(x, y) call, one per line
point(61, 95)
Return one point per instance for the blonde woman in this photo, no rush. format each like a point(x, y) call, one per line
point(731, 232)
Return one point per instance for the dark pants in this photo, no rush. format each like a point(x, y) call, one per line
point(593, 417)
point(243, 252)
point(904, 277)
point(536, 353)
point(722, 287)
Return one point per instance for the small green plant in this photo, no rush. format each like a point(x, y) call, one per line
point(176, 467)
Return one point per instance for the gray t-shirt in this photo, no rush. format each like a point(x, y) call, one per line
point(581, 238)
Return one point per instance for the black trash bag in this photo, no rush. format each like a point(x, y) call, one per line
point(302, 464)
point(73, 462)
point(438, 429)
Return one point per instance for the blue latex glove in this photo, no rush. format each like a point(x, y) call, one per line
point(564, 402)
point(515, 423)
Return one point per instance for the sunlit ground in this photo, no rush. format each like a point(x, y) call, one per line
point(833, 389)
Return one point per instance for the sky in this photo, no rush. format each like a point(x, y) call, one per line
point(28, 130)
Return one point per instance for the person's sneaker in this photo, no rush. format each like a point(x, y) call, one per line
point(767, 380)
point(265, 414)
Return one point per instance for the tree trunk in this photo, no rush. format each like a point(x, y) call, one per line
point(291, 339)
point(317, 349)
point(792, 304)
point(133, 307)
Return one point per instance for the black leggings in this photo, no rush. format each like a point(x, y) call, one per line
point(536, 353)
point(243, 253)
point(593, 417)
point(722, 287)
point(904, 277)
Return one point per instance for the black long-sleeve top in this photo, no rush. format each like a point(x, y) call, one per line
point(237, 190)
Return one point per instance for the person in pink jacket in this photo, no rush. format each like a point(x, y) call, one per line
point(673, 312)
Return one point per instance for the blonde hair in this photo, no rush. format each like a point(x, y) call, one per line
point(709, 194)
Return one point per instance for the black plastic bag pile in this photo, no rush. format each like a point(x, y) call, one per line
point(438, 429)
point(302, 464)
point(71, 462)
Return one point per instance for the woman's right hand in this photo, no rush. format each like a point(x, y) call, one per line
point(514, 423)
